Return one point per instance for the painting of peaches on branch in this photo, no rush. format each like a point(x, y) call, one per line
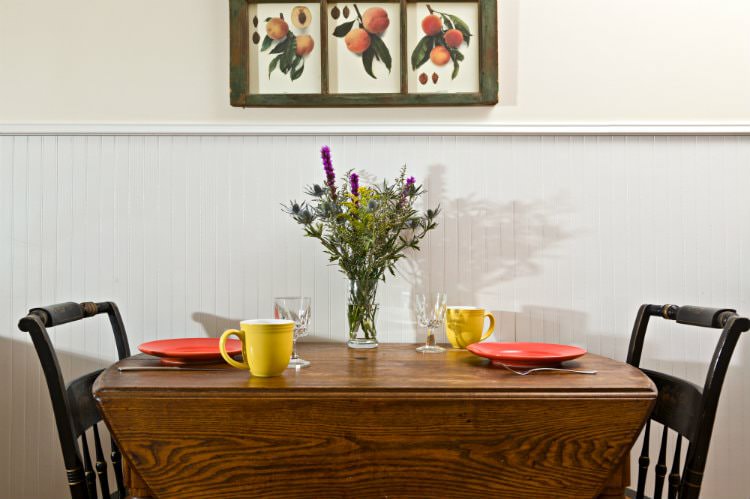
point(290, 49)
point(444, 35)
point(365, 39)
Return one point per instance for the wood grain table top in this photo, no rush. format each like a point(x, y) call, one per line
point(390, 368)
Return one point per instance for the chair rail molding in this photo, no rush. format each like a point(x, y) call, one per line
point(383, 129)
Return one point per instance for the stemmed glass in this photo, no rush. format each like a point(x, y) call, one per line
point(431, 314)
point(295, 309)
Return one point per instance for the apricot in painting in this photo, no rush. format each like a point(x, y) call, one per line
point(357, 40)
point(305, 45)
point(277, 28)
point(301, 17)
point(375, 20)
point(440, 56)
point(432, 25)
point(454, 38)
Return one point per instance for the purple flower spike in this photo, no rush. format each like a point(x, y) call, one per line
point(325, 154)
point(407, 189)
point(354, 182)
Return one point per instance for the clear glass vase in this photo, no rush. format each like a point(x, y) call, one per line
point(360, 313)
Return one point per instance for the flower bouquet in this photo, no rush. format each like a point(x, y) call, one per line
point(365, 230)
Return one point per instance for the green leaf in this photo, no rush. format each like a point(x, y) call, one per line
point(381, 51)
point(462, 27)
point(447, 21)
point(342, 29)
point(285, 64)
point(297, 59)
point(273, 64)
point(267, 41)
point(422, 51)
point(367, 56)
point(297, 71)
point(280, 47)
point(455, 69)
point(268, 19)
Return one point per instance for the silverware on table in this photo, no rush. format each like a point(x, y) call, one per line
point(168, 368)
point(525, 372)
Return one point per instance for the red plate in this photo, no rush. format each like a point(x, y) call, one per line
point(526, 354)
point(179, 351)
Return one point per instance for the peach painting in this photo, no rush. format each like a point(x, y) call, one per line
point(364, 54)
point(443, 47)
point(285, 48)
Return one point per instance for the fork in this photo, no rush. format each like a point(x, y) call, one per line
point(526, 372)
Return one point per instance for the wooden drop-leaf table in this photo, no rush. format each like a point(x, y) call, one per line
point(388, 422)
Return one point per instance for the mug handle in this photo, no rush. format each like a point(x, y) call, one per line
point(491, 328)
point(223, 348)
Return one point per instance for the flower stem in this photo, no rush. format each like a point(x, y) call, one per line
point(294, 349)
point(430, 341)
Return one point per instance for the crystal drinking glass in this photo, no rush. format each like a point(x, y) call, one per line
point(295, 309)
point(431, 314)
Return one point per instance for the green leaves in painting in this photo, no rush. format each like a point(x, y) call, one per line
point(343, 29)
point(286, 60)
point(367, 58)
point(377, 51)
point(381, 51)
point(421, 52)
point(267, 41)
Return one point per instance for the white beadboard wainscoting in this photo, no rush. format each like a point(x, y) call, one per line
point(562, 237)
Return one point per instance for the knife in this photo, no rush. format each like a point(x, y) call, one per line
point(168, 368)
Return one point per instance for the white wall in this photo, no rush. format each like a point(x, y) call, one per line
point(563, 237)
point(560, 61)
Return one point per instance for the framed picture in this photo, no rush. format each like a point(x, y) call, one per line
point(375, 53)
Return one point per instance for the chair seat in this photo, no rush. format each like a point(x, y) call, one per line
point(630, 493)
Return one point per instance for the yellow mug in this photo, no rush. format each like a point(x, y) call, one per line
point(266, 346)
point(464, 325)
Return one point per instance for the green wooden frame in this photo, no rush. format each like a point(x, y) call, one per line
point(240, 96)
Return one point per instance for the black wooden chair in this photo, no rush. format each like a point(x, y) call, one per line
point(74, 406)
point(681, 406)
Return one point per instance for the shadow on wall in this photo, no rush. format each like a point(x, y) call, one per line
point(482, 243)
point(34, 449)
point(552, 325)
point(214, 325)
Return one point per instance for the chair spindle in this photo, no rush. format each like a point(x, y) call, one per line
point(661, 465)
point(101, 464)
point(643, 462)
point(88, 469)
point(674, 473)
point(117, 465)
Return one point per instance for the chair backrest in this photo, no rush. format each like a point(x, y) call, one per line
point(683, 407)
point(74, 405)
